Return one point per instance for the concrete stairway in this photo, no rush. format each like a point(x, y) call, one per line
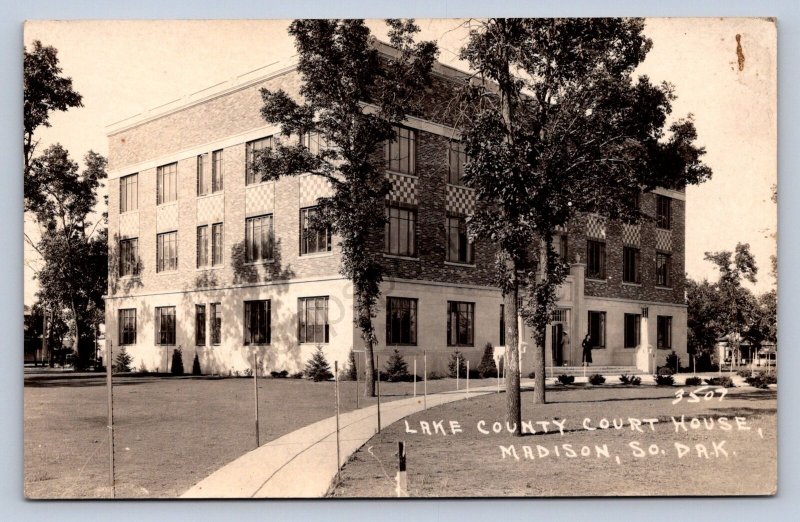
point(612, 371)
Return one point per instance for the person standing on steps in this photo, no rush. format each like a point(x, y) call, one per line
point(587, 349)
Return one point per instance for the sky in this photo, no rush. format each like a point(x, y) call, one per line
point(124, 67)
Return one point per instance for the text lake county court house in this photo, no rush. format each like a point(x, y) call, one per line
point(207, 258)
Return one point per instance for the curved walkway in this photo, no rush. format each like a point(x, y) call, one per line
point(302, 464)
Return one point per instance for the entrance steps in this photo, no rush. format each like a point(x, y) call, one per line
point(577, 371)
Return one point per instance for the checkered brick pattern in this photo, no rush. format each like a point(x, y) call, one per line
point(460, 200)
point(167, 217)
point(596, 227)
point(259, 199)
point(631, 234)
point(663, 239)
point(211, 209)
point(129, 224)
point(404, 189)
point(313, 187)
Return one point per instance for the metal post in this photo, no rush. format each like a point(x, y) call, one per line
point(425, 387)
point(458, 367)
point(110, 389)
point(467, 378)
point(378, 373)
point(402, 478)
point(336, 381)
point(415, 377)
point(355, 365)
point(255, 393)
point(694, 364)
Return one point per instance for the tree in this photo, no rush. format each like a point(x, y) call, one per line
point(487, 367)
point(396, 367)
point(317, 368)
point(341, 73)
point(196, 370)
point(703, 312)
point(457, 365)
point(122, 362)
point(176, 368)
point(45, 91)
point(559, 128)
point(74, 274)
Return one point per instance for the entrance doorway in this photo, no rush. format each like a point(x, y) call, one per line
point(557, 343)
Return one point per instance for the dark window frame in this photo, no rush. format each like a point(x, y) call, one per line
point(163, 264)
point(202, 239)
point(401, 313)
point(263, 318)
point(217, 243)
point(200, 328)
point(664, 332)
point(632, 335)
point(664, 269)
point(217, 171)
point(165, 336)
point(216, 324)
point(267, 142)
point(320, 332)
point(598, 329)
point(167, 183)
point(203, 174)
point(456, 159)
point(126, 326)
point(631, 273)
point(460, 321)
point(319, 238)
point(405, 220)
point(502, 325)
point(464, 253)
point(663, 212)
point(594, 258)
point(129, 257)
point(129, 193)
point(263, 250)
point(400, 153)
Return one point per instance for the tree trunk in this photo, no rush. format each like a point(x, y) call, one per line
point(513, 403)
point(369, 347)
point(541, 333)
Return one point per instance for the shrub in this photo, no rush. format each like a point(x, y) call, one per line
point(123, 361)
point(673, 361)
point(532, 375)
point(762, 380)
point(435, 376)
point(196, 365)
point(248, 372)
point(397, 368)
point(665, 379)
point(566, 379)
point(457, 358)
point(694, 381)
point(743, 372)
point(317, 368)
point(725, 382)
point(352, 370)
point(596, 379)
point(630, 379)
point(297, 375)
point(279, 375)
point(177, 362)
point(665, 370)
point(143, 369)
point(636, 380)
point(487, 368)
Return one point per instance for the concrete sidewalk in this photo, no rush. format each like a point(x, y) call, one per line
point(302, 464)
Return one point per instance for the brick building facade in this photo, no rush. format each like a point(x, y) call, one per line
point(203, 260)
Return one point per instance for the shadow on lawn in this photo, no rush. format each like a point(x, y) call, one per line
point(100, 380)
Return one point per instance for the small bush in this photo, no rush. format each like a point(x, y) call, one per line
point(665, 379)
point(673, 361)
point(435, 376)
point(566, 379)
point(636, 380)
point(196, 365)
point(665, 370)
point(625, 379)
point(397, 368)
point(596, 379)
point(532, 375)
point(177, 362)
point(279, 375)
point(297, 375)
point(351, 374)
point(248, 372)
point(457, 358)
point(317, 368)
point(123, 361)
point(725, 382)
point(487, 368)
point(762, 380)
point(143, 369)
point(694, 381)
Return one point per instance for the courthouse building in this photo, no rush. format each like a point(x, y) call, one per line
point(208, 258)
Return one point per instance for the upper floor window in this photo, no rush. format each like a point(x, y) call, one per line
point(561, 246)
point(460, 323)
point(663, 212)
point(597, 329)
point(456, 159)
point(401, 151)
point(313, 240)
point(203, 175)
point(202, 246)
point(315, 142)
point(401, 320)
point(216, 244)
point(595, 259)
point(664, 331)
point(250, 154)
point(129, 193)
point(167, 183)
point(631, 265)
point(663, 269)
point(401, 231)
point(258, 238)
point(165, 325)
point(313, 320)
point(167, 252)
point(129, 257)
point(127, 326)
point(216, 171)
point(459, 247)
point(257, 327)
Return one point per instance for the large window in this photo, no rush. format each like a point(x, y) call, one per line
point(129, 193)
point(167, 252)
point(401, 321)
point(502, 325)
point(257, 322)
point(165, 325)
point(631, 266)
point(251, 148)
point(203, 175)
point(401, 151)
point(127, 326)
point(202, 246)
point(216, 244)
point(167, 183)
point(258, 238)
point(313, 240)
point(129, 257)
point(313, 320)
point(459, 247)
point(456, 159)
point(663, 269)
point(632, 336)
point(460, 323)
point(664, 331)
point(200, 325)
point(663, 212)
point(216, 171)
point(401, 231)
point(597, 329)
point(315, 142)
point(561, 246)
point(216, 323)
point(595, 259)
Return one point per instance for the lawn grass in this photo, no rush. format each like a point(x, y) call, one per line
point(170, 432)
point(471, 463)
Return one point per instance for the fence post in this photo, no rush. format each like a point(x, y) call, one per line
point(425, 382)
point(458, 367)
point(255, 393)
point(336, 381)
point(402, 478)
point(110, 389)
point(355, 365)
point(415, 376)
point(467, 378)
point(378, 388)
